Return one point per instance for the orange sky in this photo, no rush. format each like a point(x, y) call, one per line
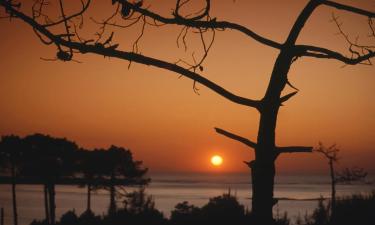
point(100, 102)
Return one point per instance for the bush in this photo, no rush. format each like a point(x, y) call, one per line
point(350, 210)
point(355, 209)
point(185, 214)
point(69, 218)
point(139, 209)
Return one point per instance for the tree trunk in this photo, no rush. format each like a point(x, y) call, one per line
point(88, 197)
point(112, 199)
point(46, 205)
point(14, 197)
point(333, 188)
point(263, 174)
point(52, 203)
point(263, 167)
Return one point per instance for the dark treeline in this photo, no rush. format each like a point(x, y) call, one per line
point(139, 209)
point(45, 160)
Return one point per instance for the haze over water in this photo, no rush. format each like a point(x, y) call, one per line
point(298, 193)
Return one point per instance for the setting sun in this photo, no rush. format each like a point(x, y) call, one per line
point(216, 160)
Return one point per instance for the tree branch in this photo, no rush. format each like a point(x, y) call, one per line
point(63, 20)
point(293, 149)
point(287, 97)
point(300, 21)
point(366, 54)
point(130, 56)
point(319, 52)
point(349, 8)
point(236, 137)
point(211, 23)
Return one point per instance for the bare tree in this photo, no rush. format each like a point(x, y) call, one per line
point(62, 32)
point(331, 154)
point(347, 175)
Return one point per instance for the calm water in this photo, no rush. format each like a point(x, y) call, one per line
point(170, 189)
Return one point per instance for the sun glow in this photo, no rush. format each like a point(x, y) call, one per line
point(216, 160)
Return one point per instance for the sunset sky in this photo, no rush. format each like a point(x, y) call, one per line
point(158, 116)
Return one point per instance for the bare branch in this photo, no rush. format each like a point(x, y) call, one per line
point(210, 23)
point(331, 152)
point(287, 97)
point(360, 54)
point(300, 22)
point(64, 19)
point(349, 8)
point(236, 137)
point(293, 149)
point(319, 52)
point(205, 12)
point(134, 57)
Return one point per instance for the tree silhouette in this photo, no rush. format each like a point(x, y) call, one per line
point(49, 159)
point(331, 154)
point(118, 163)
point(88, 165)
point(11, 159)
point(347, 175)
point(61, 31)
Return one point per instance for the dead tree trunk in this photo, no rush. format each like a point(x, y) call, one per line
point(263, 168)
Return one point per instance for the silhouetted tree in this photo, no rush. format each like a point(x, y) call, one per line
point(11, 158)
point(88, 165)
point(345, 176)
point(49, 159)
point(118, 164)
point(61, 31)
point(331, 154)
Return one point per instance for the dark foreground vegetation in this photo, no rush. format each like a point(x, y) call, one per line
point(138, 209)
point(358, 209)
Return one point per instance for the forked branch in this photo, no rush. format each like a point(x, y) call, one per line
point(360, 54)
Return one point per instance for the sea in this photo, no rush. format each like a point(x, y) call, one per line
point(298, 194)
